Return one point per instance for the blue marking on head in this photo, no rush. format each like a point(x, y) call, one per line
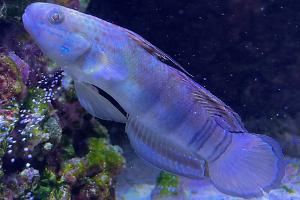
point(64, 49)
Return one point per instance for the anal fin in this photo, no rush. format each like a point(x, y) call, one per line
point(162, 152)
point(97, 105)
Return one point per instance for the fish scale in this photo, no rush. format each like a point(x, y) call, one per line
point(168, 123)
point(162, 153)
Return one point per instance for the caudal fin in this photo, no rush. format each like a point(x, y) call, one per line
point(250, 165)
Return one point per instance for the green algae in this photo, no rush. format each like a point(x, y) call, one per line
point(103, 179)
point(104, 154)
point(68, 152)
point(61, 193)
point(73, 170)
point(101, 157)
point(288, 190)
point(49, 185)
point(95, 171)
point(167, 184)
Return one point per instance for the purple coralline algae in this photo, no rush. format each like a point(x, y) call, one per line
point(11, 79)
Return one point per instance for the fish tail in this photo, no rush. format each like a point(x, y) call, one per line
point(250, 165)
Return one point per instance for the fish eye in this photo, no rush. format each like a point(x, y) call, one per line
point(56, 17)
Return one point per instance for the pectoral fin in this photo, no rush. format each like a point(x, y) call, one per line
point(163, 152)
point(97, 105)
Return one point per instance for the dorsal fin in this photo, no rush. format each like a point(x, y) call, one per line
point(223, 114)
point(153, 50)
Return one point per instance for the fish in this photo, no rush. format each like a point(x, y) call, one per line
point(171, 121)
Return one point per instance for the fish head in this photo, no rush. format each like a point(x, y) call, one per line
point(56, 31)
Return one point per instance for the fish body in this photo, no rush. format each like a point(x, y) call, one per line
point(172, 121)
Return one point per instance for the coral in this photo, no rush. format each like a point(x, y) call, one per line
point(23, 142)
point(23, 67)
point(26, 127)
point(18, 185)
point(8, 118)
point(11, 83)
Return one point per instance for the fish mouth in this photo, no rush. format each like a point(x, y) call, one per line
point(28, 21)
point(25, 20)
point(30, 26)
